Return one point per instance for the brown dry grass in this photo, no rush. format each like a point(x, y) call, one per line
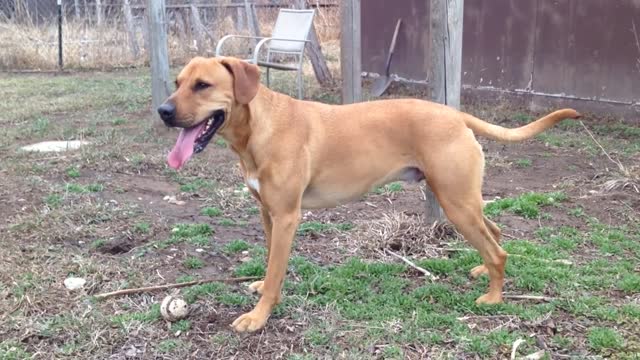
point(30, 46)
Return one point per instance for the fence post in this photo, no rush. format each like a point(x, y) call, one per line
point(99, 11)
point(197, 26)
point(445, 70)
point(350, 54)
point(131, 30)
point(60, 55)
point(158, 52)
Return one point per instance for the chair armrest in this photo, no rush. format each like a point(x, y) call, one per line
point(227, 37)
point(265, 40)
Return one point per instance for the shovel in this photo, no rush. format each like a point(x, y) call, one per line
point(382, 83)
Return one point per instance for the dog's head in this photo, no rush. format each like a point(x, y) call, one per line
point(207, 90)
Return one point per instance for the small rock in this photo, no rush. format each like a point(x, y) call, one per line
point(245, 259)
point(166, 198)
point(132, 352)
point(199, 250)
point(74, 283)
point(245, 252)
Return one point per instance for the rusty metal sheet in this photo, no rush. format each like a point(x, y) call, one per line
point(498, 43)
point(588, 49)
point(378, 21)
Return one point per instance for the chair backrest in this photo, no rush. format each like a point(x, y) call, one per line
point(291, 24)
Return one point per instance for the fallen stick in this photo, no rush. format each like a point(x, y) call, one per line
point(528, 297)
point(172, 286)
point(413, 265)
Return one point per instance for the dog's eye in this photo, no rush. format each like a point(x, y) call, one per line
point(201, 85)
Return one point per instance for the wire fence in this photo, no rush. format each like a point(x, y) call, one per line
point(99, 34)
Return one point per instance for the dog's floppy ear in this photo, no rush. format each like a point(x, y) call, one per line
point(246, 79)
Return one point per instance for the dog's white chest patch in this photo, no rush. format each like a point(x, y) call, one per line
point(254, 184)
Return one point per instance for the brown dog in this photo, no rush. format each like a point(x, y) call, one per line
point(302, 154)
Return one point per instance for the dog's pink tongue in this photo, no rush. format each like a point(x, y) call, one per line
point(183, 149)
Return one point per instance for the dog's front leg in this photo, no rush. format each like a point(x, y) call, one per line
point(283, 231)
point(267, 224)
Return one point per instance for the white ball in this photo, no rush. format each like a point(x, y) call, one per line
point(173, 308)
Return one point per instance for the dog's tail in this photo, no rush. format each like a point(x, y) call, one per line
point(528, 131)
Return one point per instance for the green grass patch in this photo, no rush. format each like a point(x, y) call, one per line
point(73, 172)
point(83, 189)
point(390, 188)
point(193, 263)
point(197, 234)
point(96, 244)
point(149, 316)
point(54, 201)
point(181, 325)
point(236, 246)
point(211, 211)
point(523, 163)
point(185, 278)
point(601, 338)
point(11, 350)
point(170, 345)
point(253, 267)
point(526, 205)
point(318, 227)
point(142, 228)
point(197, 185)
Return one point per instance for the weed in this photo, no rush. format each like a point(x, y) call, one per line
point(601, 338)
point(211, 211)
point(523, 163)
point(181, 325)
point(167, 346)
point(318, 227)
point(253, 267)
point(10, 350)
point(197, 185)
point(53, 201)
point(526, 205)
point(227, 222)
point(118, 121)
point(142, 228)
point(236, 246)
point(193, 263)
point(98, 243)
point(148, 316)
point(73, 172)
point(630, 283)
point(185, 278)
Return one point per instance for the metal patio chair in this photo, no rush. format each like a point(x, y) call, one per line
point(289, 37)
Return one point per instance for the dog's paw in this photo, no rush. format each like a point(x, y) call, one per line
point(478, 271)
point(489, 299)
point(249, 322)
point(256, 287)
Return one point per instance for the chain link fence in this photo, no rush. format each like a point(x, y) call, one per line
point(104, 34)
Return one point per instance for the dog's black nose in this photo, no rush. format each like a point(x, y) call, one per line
point(167, 113)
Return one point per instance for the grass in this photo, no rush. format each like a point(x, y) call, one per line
point(526, 205)
point(314, 227)
point(211, 211)
point(193, 263)
point(236, 246)
point(339, 302)
point(83, 189)
point(523, 163)
point(604, 338)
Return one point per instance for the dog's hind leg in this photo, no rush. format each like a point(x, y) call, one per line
point(454, 173)
point(495, 232)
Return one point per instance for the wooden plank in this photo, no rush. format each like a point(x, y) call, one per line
point(159, 54)
point(445, 70)
point(350, 52)
point(131, 30)
point(319, 63)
